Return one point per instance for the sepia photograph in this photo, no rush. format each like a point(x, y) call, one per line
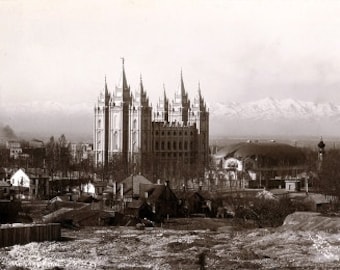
point(193, 134)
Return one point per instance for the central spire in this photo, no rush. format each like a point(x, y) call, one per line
point(123, 82)
point(182, 91)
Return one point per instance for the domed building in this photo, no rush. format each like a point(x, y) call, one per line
point(259, 164)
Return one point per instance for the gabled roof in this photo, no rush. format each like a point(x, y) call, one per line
point(183, 194)
point(136, 181)
point(20, 178)
point(155, 191)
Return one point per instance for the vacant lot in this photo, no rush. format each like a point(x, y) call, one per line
point(162, 248)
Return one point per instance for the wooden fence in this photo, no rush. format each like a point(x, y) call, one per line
point(17, 234)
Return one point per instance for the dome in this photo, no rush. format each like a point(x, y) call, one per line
point(266, 154)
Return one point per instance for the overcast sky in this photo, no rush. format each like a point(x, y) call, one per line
point(239, 50)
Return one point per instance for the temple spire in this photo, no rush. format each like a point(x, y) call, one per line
point(164, 92)
point(199, 89)
point(106, 89)
point(141, 82)
point(182, 85)
point(123, 82)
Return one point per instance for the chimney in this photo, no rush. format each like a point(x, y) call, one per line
point(114, 187)
point(122, 190)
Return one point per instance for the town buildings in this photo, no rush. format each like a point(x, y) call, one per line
point(169, 141)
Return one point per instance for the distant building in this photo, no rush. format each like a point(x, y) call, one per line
point(168, 141)
point(15, 149)
point(81, 151)
point(258, 164)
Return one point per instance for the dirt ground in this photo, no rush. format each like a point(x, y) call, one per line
point(216, 245)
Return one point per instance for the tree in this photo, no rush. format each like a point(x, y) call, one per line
point(115, 169)
point(51, 153)
point(64, 155)
point(329, 175)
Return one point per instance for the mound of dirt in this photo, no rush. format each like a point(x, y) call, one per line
point(310, 221)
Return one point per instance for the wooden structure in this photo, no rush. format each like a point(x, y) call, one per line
point(15, 234)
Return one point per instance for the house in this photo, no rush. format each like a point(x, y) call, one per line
point(191, 202)
point(132, 186)
point(30, 185)
point(140, 209)
point(95, 189)
point(20, 179)
point(80, 151)
point(162, 199)
point(15, 149)
point(293, 184)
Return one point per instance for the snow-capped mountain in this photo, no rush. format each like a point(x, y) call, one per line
point(271, 116)
point(274, 109)
point(268, 116)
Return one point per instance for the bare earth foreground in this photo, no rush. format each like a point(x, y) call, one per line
point(159, 248)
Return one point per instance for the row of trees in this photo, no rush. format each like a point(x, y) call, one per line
point(329, 173)
point(58, 155)
point(55, 156)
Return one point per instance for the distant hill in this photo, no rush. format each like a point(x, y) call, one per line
point(266, 117)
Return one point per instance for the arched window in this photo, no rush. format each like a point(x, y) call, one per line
point(115, 124)
point(134, 137)
point(115, 140)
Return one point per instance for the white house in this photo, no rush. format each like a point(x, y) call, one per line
point(20, 179)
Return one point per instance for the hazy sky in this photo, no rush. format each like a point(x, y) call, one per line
point(239, 50)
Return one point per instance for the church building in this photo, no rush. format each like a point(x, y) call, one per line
point(170, 141)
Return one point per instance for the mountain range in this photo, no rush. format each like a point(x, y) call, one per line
point(268, 117)
point(271, 116)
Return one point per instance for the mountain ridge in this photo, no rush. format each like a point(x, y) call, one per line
point(268, 116)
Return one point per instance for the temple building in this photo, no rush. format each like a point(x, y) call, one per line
point(170, 141)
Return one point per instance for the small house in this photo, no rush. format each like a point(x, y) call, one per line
point(140, 209)
point(293, 185)
point(30, 185)
point(95, 189)
point(131, 186)
point(162, 199)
